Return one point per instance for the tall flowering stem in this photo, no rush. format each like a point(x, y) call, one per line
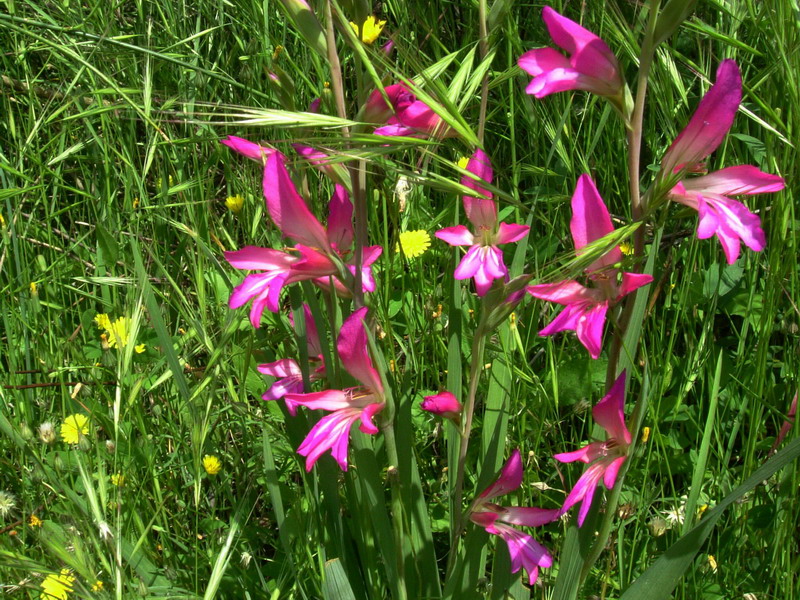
point(475, 368)
point(637, 212)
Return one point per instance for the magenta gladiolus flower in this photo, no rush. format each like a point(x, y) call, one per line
point(728, 219)
point(484, 260)
point(586, 307)
point(444, 404)
point(591, 65)
point(347, 406)
point(404, 115)
point(319, 248)
point(525, 552)
point(606, 457)
point(289, 373)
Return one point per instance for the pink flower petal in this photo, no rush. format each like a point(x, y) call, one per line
point(733, 181)
point(632, 282)
point(541, 60)
point(510, 478)
point(353, 351)
point(511, 232)
point(710, 122)
point(609, 412)
point(567, 319)
point(564, 292)
point(247, 148)
point(525, 552)
point(255, 258)
point(528, 516)
point(470, 263)
point(591, 221)
point(332, 432)
point(456, 236)
point(331, 400)
point(340, 220)
point(590, 328)
point(284, 367)
point(610, 476)
point(287, 209)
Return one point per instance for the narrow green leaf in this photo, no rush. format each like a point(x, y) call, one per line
point(658, 581)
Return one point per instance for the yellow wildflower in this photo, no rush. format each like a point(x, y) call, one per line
point(712, 562)
point(277, 52)
point(413, 243)
point(118, 479)
point(98, 586)
point(626, 248)
point(463, 162)
point(645, 434)
point(2, 222)
point(57, 586)
point(117, 333)
point(74, 427)
point(211, 464)
point(370, 30)
point(34, 289)
point(34, 521)
point(234, 204)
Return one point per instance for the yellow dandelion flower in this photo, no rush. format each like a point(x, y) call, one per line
point(57, 586)
point(463, 162)
point(74, 427)
point(211, 464)
point(118, 479)
point(413, 243)
point(234, 203)
point(103, 322)
point(34, 521)
point(626, 248)
point(645, 434)
point(370, 30)
point(136, 203)
point(34, 289)
point(117, 333)
point(98, 586)
point(2, 222)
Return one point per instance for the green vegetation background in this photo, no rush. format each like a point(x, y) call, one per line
point(112, 194)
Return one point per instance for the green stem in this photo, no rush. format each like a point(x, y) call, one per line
point(637, 211)
point(476, 366)
point(634, 166)
point(397, 505)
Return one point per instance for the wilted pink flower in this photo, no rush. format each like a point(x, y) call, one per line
point(332, 432)
point(444, 404)
point(728, 219)
point(586, 307)
point(404, 115)
point(591, 65)
point(484, 260)
point(525, 552)
point(606, 457)
point(289, 373)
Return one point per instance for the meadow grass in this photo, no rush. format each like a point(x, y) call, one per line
point(112, 196)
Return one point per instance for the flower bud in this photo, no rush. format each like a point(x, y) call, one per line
point(445, 405)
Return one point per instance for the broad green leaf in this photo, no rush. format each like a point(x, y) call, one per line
point(336, 586)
